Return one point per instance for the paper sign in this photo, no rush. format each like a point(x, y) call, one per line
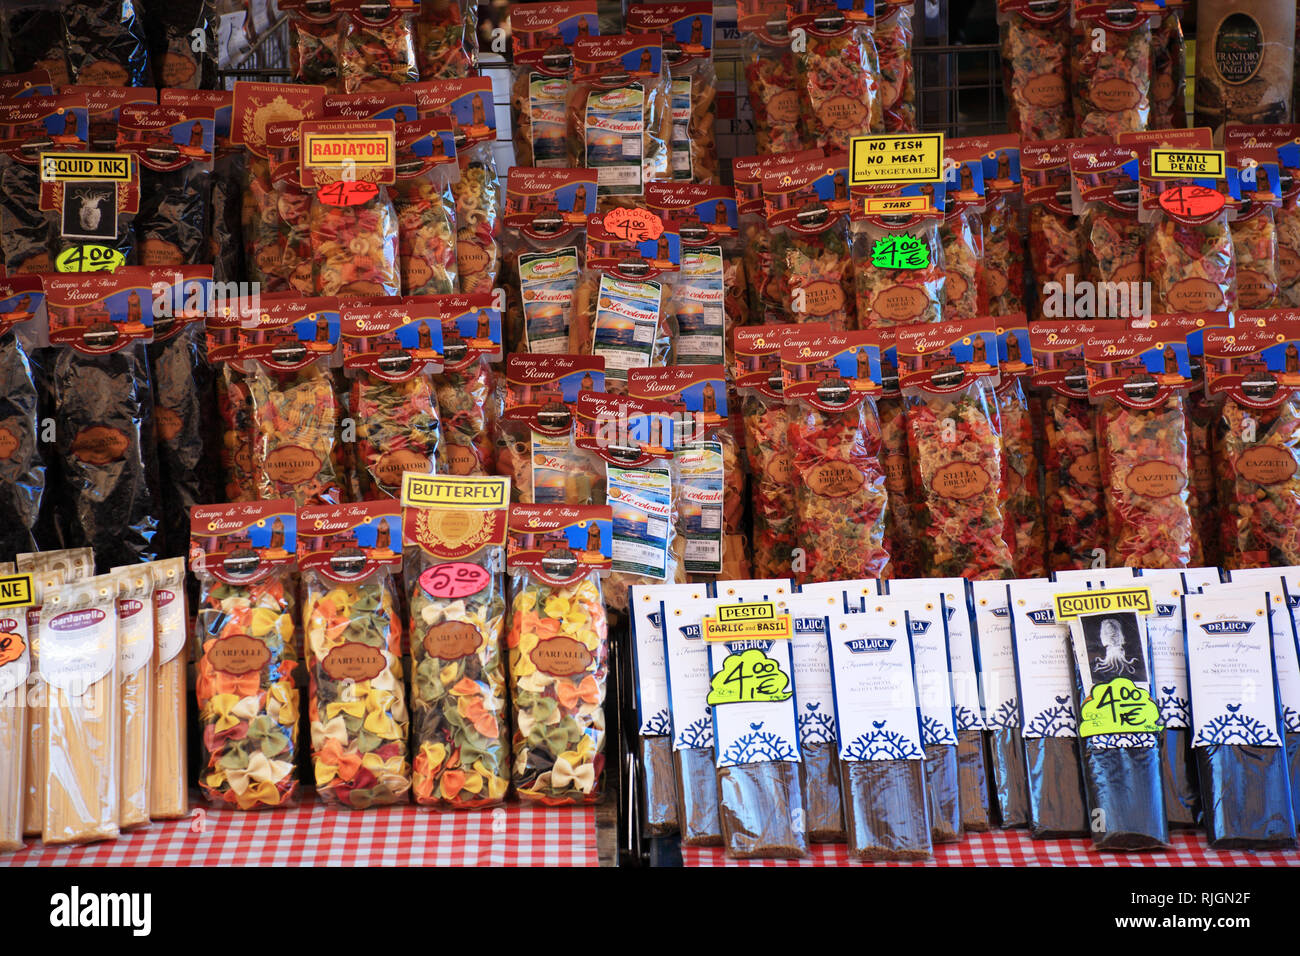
point(915, 158)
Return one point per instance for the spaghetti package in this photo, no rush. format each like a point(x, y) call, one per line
point(621, 313)
point(446, 35)
point(376, 44)
point(839, 72)
point(313, 42)
point(830, 384)
point(619, 114)
point(1074, 500)
point(1003, 274)
point(1254, 369)
point(346, 166)
point(135, 665)
point(770, 77)
point(168, 782)
point(246, 639)
point(1036, 67)
point(1110, 69)
point(1255, 193)
point(948, 374)
point(1049, 717)
point(454, 530)
point(174, 146)
point(687, 32)
point(478, 191)
point(962, 231)
point(104, 413)
point(1168, 68)
point(391, 358)
point(22, 467)
point(1001, 698)
point(709, 476)
point(1137, 377)
point(538, 427)
point(542, 37)
point(352, 628)
point(544, 245)
point(1238, 737)
point(1025, 529)
point(898, 267)
point(83, 716)
point(234, 429)
point(426, 207)
point(471, 339)
point(295, 413)
point(808, 216)
point(15, 668)
point(893, 34)
point(106, 44)
point(1057, 247)
point(559, 650)
point(878, 729)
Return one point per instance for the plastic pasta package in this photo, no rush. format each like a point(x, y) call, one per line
point(893, 34)
point(183, 45)
point(426, 207)
point(376, 46)
point(1003, 269)
point(834, 433)
point(1268, 145)
point(352, 626)
point(992, 632)
point(30, 237)
point(770, 76)
point(135, 641)
point(243, 556)
point(1168, 69)
point(168, 790)
point(1191, 265)
point(898, 267)
point(234, 409)
point(954, 442)
point(471, 338)
point(839, 73)
point(22, 468)
point(559, 651)
point(93, 216)
point(1035, 66)
point(808, 217)
point(1110, 69)
point(446, 34)
point(15, 668)
point(294, 409)
point(1025, 529)
point(292, 271)
point(962, 232)
point(1056, 244)
point(314, 42)
point(83, 717)
point(619, 116)
point(902, 530)
point(1255, 195)
point(542, 37)
point(35, 37)
point(1105, 196)
point(106, 44)
point(878, 729)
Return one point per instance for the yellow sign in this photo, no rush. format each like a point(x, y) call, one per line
point(1181, 163)
point(79, 167)
point(885, 205)
point(914, 158)
point(363, 150)
point(16, 590)
point(747, 622)
point(451, 493)
point(1078, 603)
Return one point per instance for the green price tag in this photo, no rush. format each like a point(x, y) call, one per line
point(900, 252)
point(747, 677)
point(89, 259)
point(1119, 707)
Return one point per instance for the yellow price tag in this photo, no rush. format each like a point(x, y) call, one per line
point(79, 167)
point(747, 622)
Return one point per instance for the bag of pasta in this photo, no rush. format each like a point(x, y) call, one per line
point(376, 44)
point(106, 45)
point(1254, 369)
point(135, 672)
point(478, 190)
point(542, 37)
point(347, 166)
point(183, 45)
point(962, 231)
point(471, 340)
point(1025, 529)
point(1255, 192)
point(902, 526)
point(1282, 144)
point(687, 32)
point(898, 268)
point(709, 476)
point(893, 34)
point(349, 557)
point(29, 239)
point(839, 72)
point(808, 216)
point(622, 313)
point(246, 651)
point(1003, 273)
point(94, 220)
point(770, 78)
point(1055, 240)
point(619, 114)
point(426, 207)
point(33, 35)
point(559, 650)
point(391, 358)
point(313, 42)
point(1138, 375)
point(1035, 38)
point(948, 374)
point(446, 37)
point(1110, 68)
point(292, 271)
point(456, 588)
point(1168, 68)
point(830, 384)
point(22, 467)
point(288, 355)
point(1104, 195)
point(234, 431)
point(544, 245)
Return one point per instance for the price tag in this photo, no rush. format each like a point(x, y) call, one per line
point(455, 580)
point(89, 259)
point(1191, 202)
point(634, 225)
point(900, 252)
point(1118, 707)
point(344, 193)
point(749, 676)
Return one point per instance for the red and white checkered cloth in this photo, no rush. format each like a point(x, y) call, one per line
point(315, 835)
point(1016, 848)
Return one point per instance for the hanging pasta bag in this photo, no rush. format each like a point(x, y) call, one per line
point(446, 34)
point(1035, 40)
point(542, 37)
point(770, 76)
point(1110, 68)
point(22, 467)
point(898, 265)
point(313, 42)
point(1025, 529)
point(839, 72)
point(1056, 252)
point(1003, 273)
point(471, 343)
point(376, 44)
point(1255, 193)
point(426, 207)
point(1104, 195)
point(962, 231)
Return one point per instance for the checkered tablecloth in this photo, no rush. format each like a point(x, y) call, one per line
point(315, 835)
point(1016, 848)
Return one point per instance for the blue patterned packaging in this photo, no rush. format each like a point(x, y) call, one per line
point(997, 677)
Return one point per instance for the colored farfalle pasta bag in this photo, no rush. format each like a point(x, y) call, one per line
point(15, 668)
point(292, 271)
point(1035, 41)
point(1105, 197)
point(135, 645)
point(898, 268)
point(834, 433)
point(169, 786)
point(839, 73)
point(1110, 69)
point(446, 38)
point(770, 76)
point(542, 37)
point(22, 467)
point(1054, 240)
point(246, 642)
point(233, 411)
point(962, 230)
point(426, 208)
point(1004, 218)
point(559, 651)
point(1190, 260)
point(376, 45)
point(349, 557)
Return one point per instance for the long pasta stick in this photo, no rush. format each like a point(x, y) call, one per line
point(135, 665)
point(168, 795)
point(79, 662)
point(14, 665)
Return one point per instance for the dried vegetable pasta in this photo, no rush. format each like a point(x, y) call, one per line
point(902, 531)
point(314, 43)
point(1191, 266)
point(1168, 69)
point(446, 35)
point(770, 77)
point(135, 643)
point(425, 205)
point(839, 75)
point(1202, 500)
point(465, 388)
point(168, 787)
point(542, 37)
point(1254, 247)
point(1035, 64)
point(234, 429)
point(376, 52)
point(962, 238)
point(1074, 500)
point(890, 290)
point(356, 248)
point(1003, 268)
point(1116, 245)
point(1025, 531)
point(893, 35)
point(1110, 69)
point(15, 667)
point(292, 269)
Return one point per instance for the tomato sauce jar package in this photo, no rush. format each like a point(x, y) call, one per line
point(962, 230)
point(349, 557)
point(455, 586)
point(898, 265)
point(1025, 530)
point(1110, 68)
point(542, 37)
point(1036, 67)
point(770, 76)
point(839, 73)
point(426, 207)
point(246, 632)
